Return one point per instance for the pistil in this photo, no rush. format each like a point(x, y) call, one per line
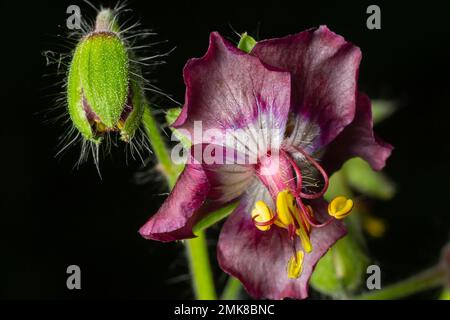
point(290, 212)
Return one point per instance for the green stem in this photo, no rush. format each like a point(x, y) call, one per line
point(196, 248)
point(232, 289)
point(214, 217)
point(202, 277)
point(428, 279)
point(159, 147)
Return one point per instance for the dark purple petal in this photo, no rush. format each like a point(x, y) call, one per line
point(226, 169)
point(229, 89)
point(200, 189)
point(179, 212)
point(358, 140)
point(324, 71)
point(228, 181)
point(259, 259)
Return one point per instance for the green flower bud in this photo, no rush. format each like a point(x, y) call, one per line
point(246, 43)
point(102, 96)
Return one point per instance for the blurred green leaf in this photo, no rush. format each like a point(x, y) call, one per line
point(341, 270)
point(362, 178)
point(382, 109)
point(343, 267)
point(445, 295)
point(338, 186)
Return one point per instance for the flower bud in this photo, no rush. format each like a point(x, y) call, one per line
point(246, 43)
point(102, 96)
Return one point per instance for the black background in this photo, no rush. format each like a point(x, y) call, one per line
point(53, 215)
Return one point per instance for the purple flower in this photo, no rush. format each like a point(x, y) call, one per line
point(296, 100)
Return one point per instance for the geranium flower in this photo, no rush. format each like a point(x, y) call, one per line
point(296, 100)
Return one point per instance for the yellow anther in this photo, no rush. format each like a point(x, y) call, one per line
point(295, 265)
point(304, 238)
point(287, 212)
point(340, 207)
point(120, 124)
point(301, 219)
point(284, 207)
point(262, 213)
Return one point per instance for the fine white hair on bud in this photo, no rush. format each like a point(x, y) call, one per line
point(105, 78)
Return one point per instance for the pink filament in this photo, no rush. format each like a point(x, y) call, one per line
point(299, 195)
point(322, 172)
point(264, 223)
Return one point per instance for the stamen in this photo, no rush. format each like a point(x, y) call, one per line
point(298, 215)
point(340, 207)
point(290, 216)
point(295, 265)
point(310, 218)
point(284, 198)
point(264, 223)
point(304, 238)
point(298, 194)
point(262, 216)
point(309, 213)
point(291, 232)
